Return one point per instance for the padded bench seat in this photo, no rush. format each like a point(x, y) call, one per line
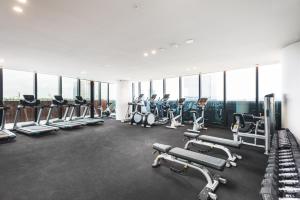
point(198, 158)
point(218, 140)
point(161, 147)
point(191, 135)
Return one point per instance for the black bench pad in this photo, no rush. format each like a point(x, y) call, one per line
point(218, 140)
point(191, 135)
point(198, 158)
point(161, 147)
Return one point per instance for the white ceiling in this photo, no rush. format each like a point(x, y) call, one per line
point(107, 39)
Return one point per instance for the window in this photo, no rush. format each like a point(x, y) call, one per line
point(240, 92)
point(172, 88)
point(158, 88)
point(69, 88)
point(15, 85)
point(270, 81)
point(85, 90)
point(145, 89)
point(47, 86)
point(240, 85)
point(96, 91)
point(112, 97)
point(135, 86)
point(96, 97)
point(212, 86)
point(104, 93)
point(190, 87)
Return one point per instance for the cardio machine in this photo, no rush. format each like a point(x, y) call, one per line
point(198, 123)
point(4, 133)
point(163, 108)
point(80, 102)
point(177, 121)
point(137, 116)
point(32, 127)
point(149, 118)
point(59, 102)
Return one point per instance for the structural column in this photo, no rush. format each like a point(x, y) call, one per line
point(122, 99)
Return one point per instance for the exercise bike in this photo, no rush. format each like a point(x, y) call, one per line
point(198, 123)
point(177, 121)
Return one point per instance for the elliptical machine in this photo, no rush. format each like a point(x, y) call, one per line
point(198, 123)
point(177, 121)
point(163, 108)
point(150, 117)
point(137, 116)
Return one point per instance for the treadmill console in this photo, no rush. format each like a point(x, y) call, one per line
point(30, 101)
point(79, 100)
point(59, 100)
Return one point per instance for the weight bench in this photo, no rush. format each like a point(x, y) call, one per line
point(192, 160)
point(214, 142)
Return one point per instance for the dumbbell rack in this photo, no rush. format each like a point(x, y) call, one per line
point(281, 180)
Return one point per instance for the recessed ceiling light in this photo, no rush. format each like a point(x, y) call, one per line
point(189, 41)
point(146, 54)
point(83, 72)
point(2, 60)
point(22, 1)
point(18, 9)
point(188, 69)
point(153, 51)
point(175, 45)
point(194, 68)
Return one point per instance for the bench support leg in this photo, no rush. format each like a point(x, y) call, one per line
point(211, 179)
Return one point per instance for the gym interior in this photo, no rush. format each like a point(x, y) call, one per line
point(137, 99)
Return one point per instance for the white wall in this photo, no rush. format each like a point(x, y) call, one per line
point(122, 98)
point(291, 88)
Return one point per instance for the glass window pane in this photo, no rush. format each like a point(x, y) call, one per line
point(104, 92)
point(69, 88)
point(145, 89)
point(241, 92)
point(212, 86)
point(15, 85)
point(96, 97)
point(47, 86)
point(96, 90)
point(172, 88)
point(158, 88)
point(240, 85)
point(190, 87)
point(85, 91)
point(112, 97)
point(135, 89)
point(270, 81)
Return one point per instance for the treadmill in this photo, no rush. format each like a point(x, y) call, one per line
point(59, 102)
point(79, 101)
point(31, 127)
point(4, 133)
